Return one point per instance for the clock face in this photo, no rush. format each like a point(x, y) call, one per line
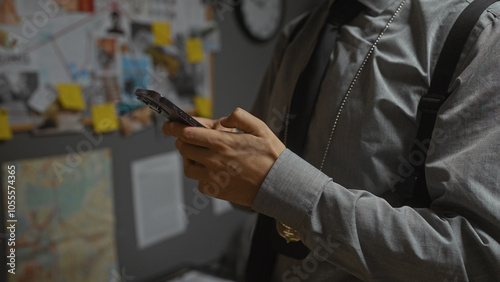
point(260, 19)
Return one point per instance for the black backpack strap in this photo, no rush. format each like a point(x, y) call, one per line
point(414, 188)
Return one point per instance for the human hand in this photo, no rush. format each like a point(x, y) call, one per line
point(228, 165)
point(208, 123)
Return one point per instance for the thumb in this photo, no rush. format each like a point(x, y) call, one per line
point(245, 122)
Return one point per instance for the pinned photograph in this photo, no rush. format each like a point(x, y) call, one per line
point(106, 54)
point(135, 74)
point(6, 40)
point(142, 37)
point(77, 5)
point(116, 22)
point(8, 13)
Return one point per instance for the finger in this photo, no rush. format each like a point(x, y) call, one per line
point(195, 171)
point(197, 154)
point(208, 123)
point(245, 122)
point(166, 129)
point(213, 124)
point(219, 126)
point(198, 136)
point(188, 161)
point(178, 129)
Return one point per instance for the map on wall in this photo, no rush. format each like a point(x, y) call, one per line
point(65, 218)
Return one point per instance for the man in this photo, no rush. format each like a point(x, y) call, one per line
point(338, 196)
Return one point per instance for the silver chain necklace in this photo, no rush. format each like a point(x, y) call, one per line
point(285, 231)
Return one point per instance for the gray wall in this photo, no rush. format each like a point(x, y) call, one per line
point(240, 66)
point(238, 71)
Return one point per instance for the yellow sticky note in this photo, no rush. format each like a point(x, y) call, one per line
point(194, 50)
point(5, 131)
point(161, 33)
point(104, 118)
point(203, 106)
point(70, 96)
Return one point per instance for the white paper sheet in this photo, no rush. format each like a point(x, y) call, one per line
point(158, 198)
point(43, 97)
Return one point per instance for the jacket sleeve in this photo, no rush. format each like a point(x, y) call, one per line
point(457, 238)
point(260, 106)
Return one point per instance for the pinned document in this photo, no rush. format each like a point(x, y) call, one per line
point(158, 198)
point(41, 100)
point(104, 118)
point(203, 106)
point(70, 96)
point(5, 131)
point(194, 50)
point(161, 33)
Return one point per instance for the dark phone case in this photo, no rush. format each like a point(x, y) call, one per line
point(164, 107)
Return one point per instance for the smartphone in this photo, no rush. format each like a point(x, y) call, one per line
point(165, 107)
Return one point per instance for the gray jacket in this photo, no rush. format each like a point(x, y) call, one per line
point(345, 213)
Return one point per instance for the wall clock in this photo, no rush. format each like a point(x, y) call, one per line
point(260, 19)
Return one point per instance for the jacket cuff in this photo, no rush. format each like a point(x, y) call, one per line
point(290, 190)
